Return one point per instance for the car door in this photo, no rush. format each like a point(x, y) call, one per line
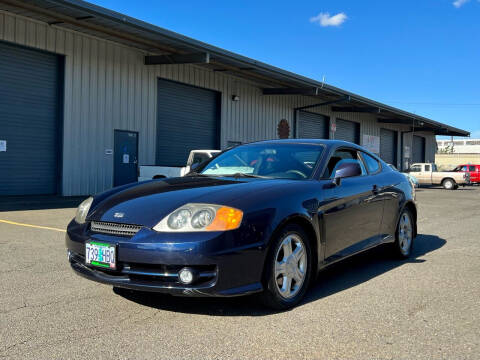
point(353, 218)
point(425, 174)
point(475, 175)
point(416, 171)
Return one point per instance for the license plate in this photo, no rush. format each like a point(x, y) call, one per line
point(100, 254)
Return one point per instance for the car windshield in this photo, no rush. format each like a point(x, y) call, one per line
point(279, 161)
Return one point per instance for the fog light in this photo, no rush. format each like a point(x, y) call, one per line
point(186, 276)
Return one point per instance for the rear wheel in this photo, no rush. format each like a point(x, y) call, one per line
point(449, 184)
point(288, 269)
point(404, 236)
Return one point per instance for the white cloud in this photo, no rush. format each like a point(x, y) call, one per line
point(324, 19)
point(460, 3)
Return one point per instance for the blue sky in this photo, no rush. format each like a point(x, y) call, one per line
point(421, 56)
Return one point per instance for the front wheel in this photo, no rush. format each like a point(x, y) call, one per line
point(288, 269)
point(449, 184)
point(404, 236)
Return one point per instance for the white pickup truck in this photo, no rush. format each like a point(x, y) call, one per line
point(427, 174)
point(148, 172)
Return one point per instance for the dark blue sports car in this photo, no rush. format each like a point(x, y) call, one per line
point(260, 218)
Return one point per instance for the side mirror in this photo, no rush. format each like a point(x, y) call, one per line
point(345, 170)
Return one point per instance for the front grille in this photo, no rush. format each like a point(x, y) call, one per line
point(114, 228)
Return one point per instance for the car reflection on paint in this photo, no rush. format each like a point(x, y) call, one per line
point(259, 218)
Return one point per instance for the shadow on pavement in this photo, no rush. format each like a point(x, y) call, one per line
point(38, 202)
point(338, 277)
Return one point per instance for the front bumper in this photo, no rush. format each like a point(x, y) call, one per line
point(226, 263)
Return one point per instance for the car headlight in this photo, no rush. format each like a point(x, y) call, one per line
point(82, 210)
point(201, 217)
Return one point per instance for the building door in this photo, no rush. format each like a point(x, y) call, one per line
point(388, 146)
point(418, 155)
point(188, 119)
point(125, 167)
point(348, 131)
point(30, 150)
point(312, 126)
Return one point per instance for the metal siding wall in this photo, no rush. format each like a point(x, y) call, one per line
point(107, 87)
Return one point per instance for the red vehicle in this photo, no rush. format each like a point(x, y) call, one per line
point(473, 170)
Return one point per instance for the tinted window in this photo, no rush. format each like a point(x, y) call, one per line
point(199, 157)
point(340, 156)
point(286, 161)
point(416, 168)
point(372, 164)
point(427, 167)
point(472, 168)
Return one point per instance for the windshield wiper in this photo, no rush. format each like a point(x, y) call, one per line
point(197, 174)
point(240, 175)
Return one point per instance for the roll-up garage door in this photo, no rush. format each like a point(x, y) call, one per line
point(312, 126)
point(29, 117)
point(348, 131)
point(418, 155)
point(187, 119)
point(388, 146)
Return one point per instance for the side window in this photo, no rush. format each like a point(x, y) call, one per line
point(339, 156)
point(416, 168)
point(427, 168)
point(472, 168)
point(465, 168)
point(199, 158)
point(372, 164)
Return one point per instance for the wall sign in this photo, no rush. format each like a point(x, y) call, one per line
point(371, 143)
point(3, 145)
point(333, 126)
point(126, 158)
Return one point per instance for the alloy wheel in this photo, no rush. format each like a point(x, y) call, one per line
point(405, 233)
point(290, 266)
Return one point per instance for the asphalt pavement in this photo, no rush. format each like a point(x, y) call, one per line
point(368, 307)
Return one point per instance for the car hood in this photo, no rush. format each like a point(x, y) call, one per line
point(149, 202)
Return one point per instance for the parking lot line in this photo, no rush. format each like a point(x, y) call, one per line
point(30, 225)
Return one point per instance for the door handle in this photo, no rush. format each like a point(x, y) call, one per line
point(375, 189)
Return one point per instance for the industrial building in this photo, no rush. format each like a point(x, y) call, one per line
point(88, 94)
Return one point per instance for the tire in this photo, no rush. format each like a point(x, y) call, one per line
point(449, 184)
point(286, 285)
point(404, 235)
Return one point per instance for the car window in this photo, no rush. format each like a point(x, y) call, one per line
point(465, 168)
point(372, 164)
point(199, 157)
point(427, 167)
point(340, 156)
point(434, 168)
point(457, 169)
point(416, 168)
point(272, 160)
point(472, 168)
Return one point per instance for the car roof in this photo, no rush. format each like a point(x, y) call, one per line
point(307, 141)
